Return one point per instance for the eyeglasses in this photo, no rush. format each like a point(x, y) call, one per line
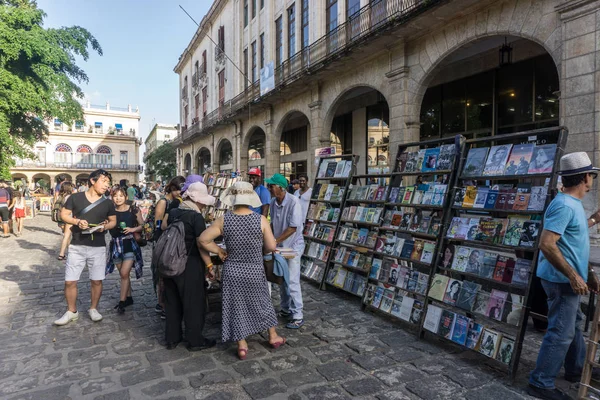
point(593, 175)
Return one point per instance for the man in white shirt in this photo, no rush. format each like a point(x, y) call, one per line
point(304, 193)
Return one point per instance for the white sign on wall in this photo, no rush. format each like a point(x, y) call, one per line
point(267, 78)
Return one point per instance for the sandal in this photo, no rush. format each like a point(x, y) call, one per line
point(242, 353)
point(277, 345)
point(61, 258)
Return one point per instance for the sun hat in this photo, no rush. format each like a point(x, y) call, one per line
point(191, 179)
point(240, 193)
point(255, 171)
point(198, 193)
point(278, 180)
point(576, 163)
point(156, 194)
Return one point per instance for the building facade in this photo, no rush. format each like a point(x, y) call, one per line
point(160, 134)
point(106, 138)
point(367, 75)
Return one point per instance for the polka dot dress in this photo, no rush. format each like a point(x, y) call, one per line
point(247, 307)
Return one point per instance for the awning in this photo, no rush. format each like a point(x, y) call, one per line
point(98, 124)
point(119, 126)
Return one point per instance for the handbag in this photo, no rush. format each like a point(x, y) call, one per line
point(269, 266)
point(137, 236)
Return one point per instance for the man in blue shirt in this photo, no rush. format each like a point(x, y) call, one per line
point(563, 267)
point(288, 222)
point(254, 176)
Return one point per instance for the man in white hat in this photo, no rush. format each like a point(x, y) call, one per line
point(563, 268)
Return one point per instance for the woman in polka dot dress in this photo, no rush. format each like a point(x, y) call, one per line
point(247, 307)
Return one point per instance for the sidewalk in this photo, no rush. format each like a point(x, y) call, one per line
point(340, 353)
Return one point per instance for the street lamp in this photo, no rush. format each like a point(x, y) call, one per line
point(505, 53)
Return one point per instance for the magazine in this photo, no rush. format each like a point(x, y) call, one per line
point(542, 159)
point(446, 157)
point(521, 272)
point(496, 160)
point(432, 318)
point(505, 350)
point(520, 157)
point(489, 343)
point(496, 304)
point(475, 161)
point(431, 159)
point(452, 291)
point(467, 296)
point(473, 335)
point(438, 287)
point(446, 324)
point(531, 231)
point(537, 200)
point(459, 331)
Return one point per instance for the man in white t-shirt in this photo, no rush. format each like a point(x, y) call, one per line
point(304, 193)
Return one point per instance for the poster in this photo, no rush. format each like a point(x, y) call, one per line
point(45, 204)
point(267, 78)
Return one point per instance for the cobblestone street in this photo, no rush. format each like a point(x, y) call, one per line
point(340, 353)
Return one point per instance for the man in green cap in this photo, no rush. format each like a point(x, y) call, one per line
point(287, 222)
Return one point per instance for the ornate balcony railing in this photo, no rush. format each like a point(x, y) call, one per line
point(367, 22)
point(79, 165)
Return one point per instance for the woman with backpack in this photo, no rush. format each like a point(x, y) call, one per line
point(124, 252)
point(185, 294)
point(66, 189)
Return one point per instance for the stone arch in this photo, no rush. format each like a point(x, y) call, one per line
point(222, 145)
point(68, 177)
point(45, 178)
point(203, 160)
point(286, 118)
point(255, 133)
point(187, 164)
point(17, 176)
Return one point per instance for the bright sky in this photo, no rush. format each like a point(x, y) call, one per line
point(141, 41)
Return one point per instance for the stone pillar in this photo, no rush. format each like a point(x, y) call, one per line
point(272, 140)
point(237, 145)
point(319, 135)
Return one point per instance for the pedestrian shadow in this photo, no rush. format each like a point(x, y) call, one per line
point(42, 230)
point(27, 245)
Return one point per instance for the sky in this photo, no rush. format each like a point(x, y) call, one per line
point(141, 42)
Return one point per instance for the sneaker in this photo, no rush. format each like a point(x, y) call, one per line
point(284, 314)
point(163, 315)
point(66, 318)
point(128, 301)
point(547, 394)
point(120, 307)
point(94, 315)
point(295, 324)
point(158, 309)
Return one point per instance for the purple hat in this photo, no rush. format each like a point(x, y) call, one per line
point(189, 180)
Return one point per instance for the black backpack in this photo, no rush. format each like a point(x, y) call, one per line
point(170, 254)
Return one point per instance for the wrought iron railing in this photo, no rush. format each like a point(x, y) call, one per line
point(79, 165)
point(368, 21)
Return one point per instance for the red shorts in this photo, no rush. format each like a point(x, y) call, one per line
point(19, 213)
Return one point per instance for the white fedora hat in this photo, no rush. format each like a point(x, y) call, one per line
point(576, 163)
point(241, 193)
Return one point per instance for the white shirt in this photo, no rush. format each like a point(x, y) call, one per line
point(304, 200)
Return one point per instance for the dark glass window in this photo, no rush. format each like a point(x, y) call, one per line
point(332, 15)
point(546, 88)
point(245, 13)
point(453, 107)
point(294, 141)
point(256, 146)
point(480, 95)
point(515, 94)
point(291, 30)
point(226, 153)
point(262, 4)
point(341, 129)
point(253, 8)
point(245, 60)
point(378, 135)
point(262, 50)
point(278, 41)
point(304, 22)
point(430, 113)
point(254, 74)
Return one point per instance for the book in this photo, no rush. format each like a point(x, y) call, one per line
point(407, 249)
point(408, 194)
point(459, 195)
point(393, 274)
point(347, 168)
point(396, 306)
point(393, 196)
point(461, 258)
point(435, 226)
point(473, 229)
point(460, 328)
point(446, 157)
point(514, 230)
point(431, 159)
point(339, 169)
point(475, 161)
point(489, 264)
point(481, 197)
point(416, 313)
point(531, 231)
point(375, 268)
point(417, 197)
point(481, 302)
point(378, 296)
point(508, 270)
point(420, 160)
point(452, 291)
point(446, 324)
point(386, 301)
point(505, 350)
point(340, 278)
point(322, 169)
point(521, 201)
point(422, 282)
point(401, 161)
point(439, 192)
point(432, 318)
point(475, 262)
point(412, 277)
point(331, 166)
point(521, 272)
point(542, 159)
point(496, 161)
point(415, 222)
point(467, 296)
point(492, 198)
point(469, 198)
point(496, 304)
point(417, 251)
point(489, 342)
point(411, 162)
point(499, 268)
point(427, 197)
point(519, 159)
point(537, 200)
point(473, 335)
point(438, 287)
point(513, 310)
point(406, 308)
point(428, 250)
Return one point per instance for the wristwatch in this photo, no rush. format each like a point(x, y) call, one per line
point(593, 221)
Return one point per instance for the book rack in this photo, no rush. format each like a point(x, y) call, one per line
point(479, 294)
point(408, 235)
point(216, 183)
point(334, 174)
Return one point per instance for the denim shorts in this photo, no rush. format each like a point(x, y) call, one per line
point(126, 256)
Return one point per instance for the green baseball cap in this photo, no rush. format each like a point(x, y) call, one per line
point(278, 180)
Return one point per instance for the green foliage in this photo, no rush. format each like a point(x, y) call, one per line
point(162, 162)
point(38, 77)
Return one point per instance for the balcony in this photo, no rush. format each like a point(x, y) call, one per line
point(78, 166)
point(368, 22)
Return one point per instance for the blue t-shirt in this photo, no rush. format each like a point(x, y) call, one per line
point(566, 217)
point(265, 197)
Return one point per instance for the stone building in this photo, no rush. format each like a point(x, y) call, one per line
point(106, 138)
point(159, 134)
point(367, 75)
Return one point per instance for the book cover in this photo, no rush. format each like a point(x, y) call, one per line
point(463, 229)
point(432, 318)
point(370, 294)
point(537, 200)
point(427, 254)
point(501, 200)
point(489, 264)
point(349, 281)
point(386, 301)
point(496, 161)
point(403, 277)
point(514, 230)
point(378, 296)
point(401, 191)
point(520, 157)
point(396, 306)
point(386, 268)
point(522, 271)
point(459, 331)
point(475, 262)
point(481, 197)
point(446, 324)
point(438, 287)
point(475, 161)
point(481, 302)
point(329, 192)
point(387, 218)
point(473, 229)
point(322, 169)
point(411, 162)
point(492, 230)
point(347, 168)
point(435, 226)
point(340, 278)
point(397, 250)
point(401, 161)
point(397, 218)
point(427, 197)
point(322, 191)
point(542, 159)
point(513, 309)
point(331, 166)
point(380, 194)
point(412, 280)
point(459, 195)
point(521, 201)
point(393, 276)
point(417, 197)
point(446, 157)
point(408, 194)
point(500, 267)
point(509, 270)
point(470, 195)
point(370, 215)
point(467, 296)
point(431, 159)
point(496, 304)
point(375, 268)
point(439, 192)
point(453, 227)
point(422, 282)
point(531, 231)
point(492, 198)
point(339, 169)
point(371, 192)
point(473, 335)
point(461, 258)
point(393, 197)
point(416, 313)
point(505, 350)
point(452, 291)
point(489, 342)
point(406, 308)
point(510, 201)
point(420, 160)
point(417, 250)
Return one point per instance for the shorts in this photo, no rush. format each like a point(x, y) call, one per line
point(126, 256)
point(80, 256)
point(4, 215)
point(19, 213)
point(10, 213)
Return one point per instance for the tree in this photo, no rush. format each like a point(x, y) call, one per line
point(38, 77)
point(162, 162)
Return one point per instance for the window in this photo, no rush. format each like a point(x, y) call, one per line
point(221, 41)
point(103, 157)
point(291, 30)
point(378, 134)
point(253, 8)
point(254, 74)
point(40, 154)
point(245, 13)
point(123, 159)
point(204, 62)
point(304, 22)
point(352, 9)
point(197, 105)
point(262, 50)
point(278, 42)
point(245, 69)
point(341, 133)
point(222, 85)
point(62, 155)
point(119, 128)
point(226, 153)
point(79, 126)
point(294, 141)
point(186, 112)
point(332, 15)
point(291, 170)
point(57, 123)
point(256, 146)
point(167, 137)
point(262, 4)
point(204, 100)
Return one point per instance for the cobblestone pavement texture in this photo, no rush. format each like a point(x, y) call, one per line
point(340, 353)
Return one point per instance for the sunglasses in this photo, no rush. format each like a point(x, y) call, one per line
point(593, 175)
